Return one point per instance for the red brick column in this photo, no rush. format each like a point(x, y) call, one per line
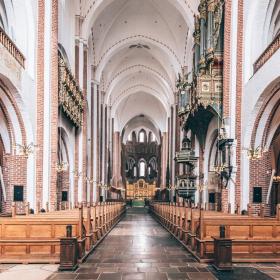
point(54, 104)
point(40, 102)
point(239, 93)
point(227, 58)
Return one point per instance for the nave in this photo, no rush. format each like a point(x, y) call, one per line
point(139, 248)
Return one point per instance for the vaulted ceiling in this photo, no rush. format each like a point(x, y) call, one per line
point(138, 48)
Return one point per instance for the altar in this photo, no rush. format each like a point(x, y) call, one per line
point(140, 190)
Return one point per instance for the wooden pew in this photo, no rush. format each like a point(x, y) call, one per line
point(36, 238)
point(255, 239)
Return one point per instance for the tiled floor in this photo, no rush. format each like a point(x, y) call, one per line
point(26, 272)
point(139, 248)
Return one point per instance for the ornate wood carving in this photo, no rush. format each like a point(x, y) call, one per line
point(206, 86)
point(70, 95)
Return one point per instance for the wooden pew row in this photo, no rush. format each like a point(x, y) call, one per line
point(255, 239)
point(36, 238)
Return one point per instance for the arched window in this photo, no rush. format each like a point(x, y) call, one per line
point(129, 137)
point(153, 137)
point(142, 169)
point(141, 137)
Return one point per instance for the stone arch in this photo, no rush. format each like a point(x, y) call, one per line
point(12, 114)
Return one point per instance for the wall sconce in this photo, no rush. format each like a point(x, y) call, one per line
point(77, 174)
point(218, 169)
point(26, 150)
point(105, 187)
point(62, 166)
point(89, 180)
point(276, 179)
point(254, 154)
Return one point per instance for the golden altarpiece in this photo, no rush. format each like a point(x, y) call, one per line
point(140, 190)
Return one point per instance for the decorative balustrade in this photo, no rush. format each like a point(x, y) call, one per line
point(267, 54)
point(71, 97)
point(11, 47)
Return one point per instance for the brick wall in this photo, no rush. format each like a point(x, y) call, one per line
point(63, 184)
point(260, 177)
point(14, 173)
point(224, 200)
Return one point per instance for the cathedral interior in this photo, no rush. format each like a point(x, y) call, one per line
point(140, 139)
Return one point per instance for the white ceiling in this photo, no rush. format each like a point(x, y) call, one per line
point(138, 48)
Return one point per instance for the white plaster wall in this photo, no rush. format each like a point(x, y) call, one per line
point(254, 94)
point(69, 137)
point(4, 133)
point(66, 29)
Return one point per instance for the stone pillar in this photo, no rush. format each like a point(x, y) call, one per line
point(116, 159)
point(164, 147)
point(83, 85)
point(91, 109)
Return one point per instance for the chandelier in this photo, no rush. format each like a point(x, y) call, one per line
point(26, 150)
point(218, 169)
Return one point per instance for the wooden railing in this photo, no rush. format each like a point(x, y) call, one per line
point(267, 54)
point(11, 47)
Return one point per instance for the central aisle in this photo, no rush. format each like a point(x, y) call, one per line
point(139, 248)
